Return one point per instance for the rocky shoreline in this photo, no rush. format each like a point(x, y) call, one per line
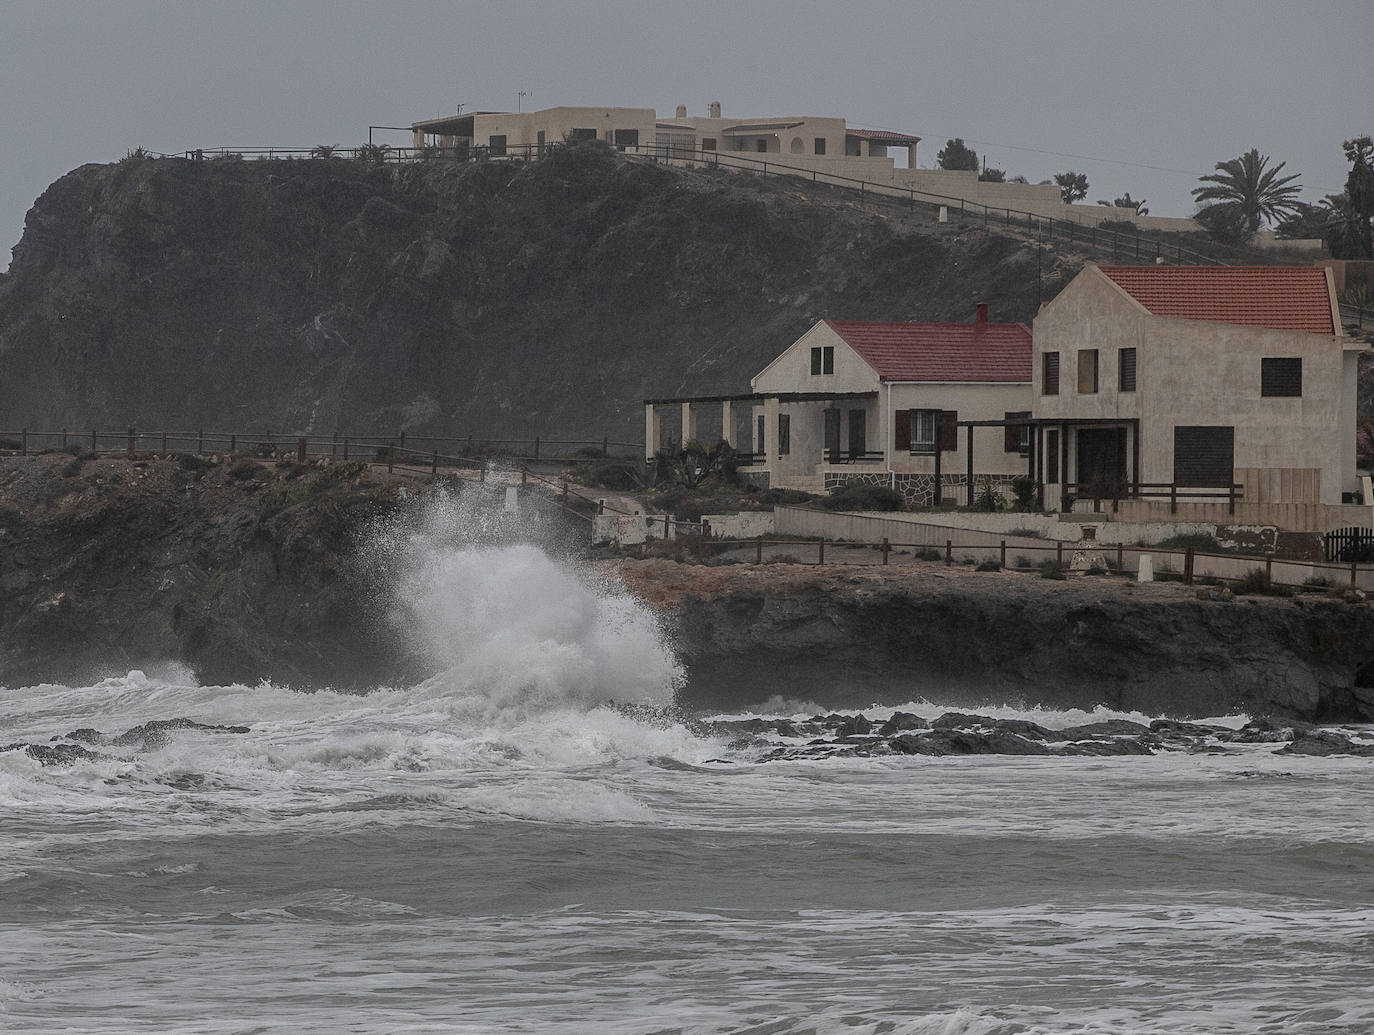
point(241, 570)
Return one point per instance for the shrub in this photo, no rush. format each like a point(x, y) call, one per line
point(1027, 533)
point(243, 470)
point(618, 475)
point(989, 565)
point(72, 467)
point(1257, 581)
point(1023, 562)
point(1051, 569)
point(929, 553)
point(1096, 569)
point(987, 498)
point(784, 497)
point(855, 496)
point(1318, 582)
point(782, 558)
point(1200, 541)
point(1024, 490)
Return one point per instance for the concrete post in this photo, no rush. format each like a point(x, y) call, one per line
point(689, 423)
point(727, 423)
point(652, 428)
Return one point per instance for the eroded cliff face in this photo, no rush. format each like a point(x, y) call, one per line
point(851, 637)
point(495, 299)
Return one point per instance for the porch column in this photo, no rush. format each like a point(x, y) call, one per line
point(652, 428)
point(1063, 464)
point(1135, 457)
point(417, 137)
point(968, 477)
point(911, 156)
point(689, 423)
point(727, 423)
point(769, 446)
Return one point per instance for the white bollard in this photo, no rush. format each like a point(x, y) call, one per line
point(1146, 571)
point(512, 499)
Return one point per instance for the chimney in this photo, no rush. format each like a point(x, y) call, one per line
point(681, 112)
point(715, 109)
point(981, 313)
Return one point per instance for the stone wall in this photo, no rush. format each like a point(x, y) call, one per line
point(918, 490)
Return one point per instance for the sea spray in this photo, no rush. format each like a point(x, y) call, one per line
point(506, 627)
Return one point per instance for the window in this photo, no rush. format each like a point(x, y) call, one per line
point(820, 145)
point(577, 135)
point(760, 446)
point(496, 145)
point(784, 434)
point(1281, 376)
point(823, 359)
point(1049, 383)
point(708, 143)
point(1204, 457)
point(1052, 455)
point(1016, 437)
point(626, 138)
point(1087, 371)
point(1125, 362)
point(761, 145)
point(923, 430)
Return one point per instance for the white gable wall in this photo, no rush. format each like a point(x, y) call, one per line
point(791, 371)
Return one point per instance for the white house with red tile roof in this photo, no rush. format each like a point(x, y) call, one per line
point(885, 403)
point(1212, 393)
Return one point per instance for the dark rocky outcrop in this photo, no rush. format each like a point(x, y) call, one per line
point(500, 299)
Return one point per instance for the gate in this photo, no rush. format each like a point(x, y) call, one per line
point(1349, 544)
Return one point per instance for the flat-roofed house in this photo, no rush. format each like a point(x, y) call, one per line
point(896, 404)
point(1211, 393)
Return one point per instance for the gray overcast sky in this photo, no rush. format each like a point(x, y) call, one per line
point(1142, 96)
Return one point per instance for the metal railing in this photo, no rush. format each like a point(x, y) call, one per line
point(1100, 493)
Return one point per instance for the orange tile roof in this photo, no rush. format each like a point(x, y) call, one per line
point(940, 351)
point(1285, 298)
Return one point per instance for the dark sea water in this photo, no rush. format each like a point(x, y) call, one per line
point(496, 850)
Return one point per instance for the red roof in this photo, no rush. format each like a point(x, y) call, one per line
point(1285, 298)
point(881, 135)
point(940, 351)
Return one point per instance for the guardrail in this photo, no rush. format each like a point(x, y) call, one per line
point(1188, 566)
point(337, 445)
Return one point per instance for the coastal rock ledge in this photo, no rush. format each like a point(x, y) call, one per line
point(859, 636)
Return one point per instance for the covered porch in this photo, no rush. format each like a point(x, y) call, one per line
point(783, 440)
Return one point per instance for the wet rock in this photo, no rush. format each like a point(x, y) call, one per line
point(1177, 728)
point(156, 734)
point(56, 754)
point(1024, 728)
point(1104, 748)
point(1265, 730)
point(87, 736)
point(1323, 743)
point(962, 721)
point(786, 728)
point(963, 742)
point(855, 725)
point(900, 722)
point(1109, 728)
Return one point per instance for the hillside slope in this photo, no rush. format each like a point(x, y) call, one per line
point(491, 299)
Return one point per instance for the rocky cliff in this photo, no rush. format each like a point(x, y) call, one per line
point(496, 299)
point(244, 570)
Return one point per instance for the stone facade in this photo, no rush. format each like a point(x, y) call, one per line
point(918, 490)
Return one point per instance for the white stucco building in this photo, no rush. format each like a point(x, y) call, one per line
point(896, 404)
point(1217, 393)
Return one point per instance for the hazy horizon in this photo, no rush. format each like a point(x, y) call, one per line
point(1142, 99)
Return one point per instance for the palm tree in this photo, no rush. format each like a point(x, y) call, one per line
point(1243, 192)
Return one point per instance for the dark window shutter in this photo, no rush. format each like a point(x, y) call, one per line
point(1204, 458)
point(1050, 382)
point(1126, 362)
point(949, 431)
point(901, 427)
point(1012, 434)
point(1281, 376)
point(816, 360)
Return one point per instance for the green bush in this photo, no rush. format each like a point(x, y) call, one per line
point(1023, 562)
point(989, 565)
point(987, 498)
point(1199, 541)
point(1051, 569)
point(617, 475)
point(929, 553)
point(856, 496)
point(783, 497)
point(1257, 581)
point(1027, 533)
point(1024, 490)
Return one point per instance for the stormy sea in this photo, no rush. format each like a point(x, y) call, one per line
point(536, 839)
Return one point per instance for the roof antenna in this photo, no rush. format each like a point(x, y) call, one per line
point(520, 99)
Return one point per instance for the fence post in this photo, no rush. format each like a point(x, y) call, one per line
point(1352, 574)
point(345, 456)
point(666, 529)
point(1003, 561)
point(434, 463)
point(949, 552)
point(1231, 498)
point(536, 447)
point(390, 457)
point(1059, 553)
point(300, 450)
point(1120, 560)
point(1188, 566)
point(1269, 569)
point(820, 553)
point(565, 492)
point(233, 443)
point(164, 442)
point(200, 441)
point(92, 441)
point(885, 549)
point(524, 475)
point(131, 442)
point(1173, 497)
point(24, 442)
point(403, 440)
point(482, 473)
point(64, 438)
point(758, 550)
point(334, 445)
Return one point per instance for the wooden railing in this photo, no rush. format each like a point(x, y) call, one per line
point(1102, 492)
